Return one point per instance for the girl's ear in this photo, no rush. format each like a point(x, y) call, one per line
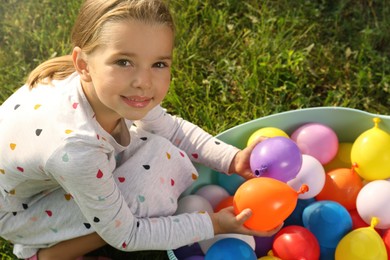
point(81, 64)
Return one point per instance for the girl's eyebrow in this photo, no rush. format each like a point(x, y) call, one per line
point(165, 57)
point(130, 54)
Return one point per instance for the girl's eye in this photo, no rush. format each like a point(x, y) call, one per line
point(160, 65)
point(123, 63)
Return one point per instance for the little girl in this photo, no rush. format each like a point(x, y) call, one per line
point(89, 157)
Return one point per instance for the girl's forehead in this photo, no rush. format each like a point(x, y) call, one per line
point(119, 32)
point(130, 36)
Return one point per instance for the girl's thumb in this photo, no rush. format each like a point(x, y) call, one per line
point(244, 215)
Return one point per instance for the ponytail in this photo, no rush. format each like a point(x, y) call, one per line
point(53, 69)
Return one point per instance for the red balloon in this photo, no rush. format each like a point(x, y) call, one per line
point(386, 239)
point(224, 203)
point(357, 221)
point(296, 242)
point(270, 200)
point(341, 185)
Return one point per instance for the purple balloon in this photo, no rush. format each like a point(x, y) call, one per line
point(277, 157)
point(263, 245)
point(187, 251)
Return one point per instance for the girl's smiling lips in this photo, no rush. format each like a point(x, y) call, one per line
point(136, 101)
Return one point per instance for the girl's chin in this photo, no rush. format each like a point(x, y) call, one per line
point(137, 116)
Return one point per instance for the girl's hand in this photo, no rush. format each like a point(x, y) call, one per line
point(225, 221)
point(240, 164)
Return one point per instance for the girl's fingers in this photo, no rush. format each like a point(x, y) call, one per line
point(243, 216)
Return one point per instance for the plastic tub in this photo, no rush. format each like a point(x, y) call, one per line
point(346, 122)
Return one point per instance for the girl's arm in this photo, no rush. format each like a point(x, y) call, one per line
point(223, 222)
point(200, 146)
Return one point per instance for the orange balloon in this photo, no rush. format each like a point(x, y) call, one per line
point(226, 202)
point(341, 185)
point(270, 200)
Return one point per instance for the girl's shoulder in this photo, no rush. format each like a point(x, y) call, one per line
point(60, 107)
point(48, 94)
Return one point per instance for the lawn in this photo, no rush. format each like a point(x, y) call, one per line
point(234, 60)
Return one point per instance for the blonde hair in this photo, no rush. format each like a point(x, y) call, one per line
point(87, 31)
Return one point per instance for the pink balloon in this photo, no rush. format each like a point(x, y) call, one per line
point(277, 157)
point(193, 203)
point(317, 140)
point(213, 193)
point(312, 174)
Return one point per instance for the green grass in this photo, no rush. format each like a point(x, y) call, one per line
point(246, 59)
point(234, 60)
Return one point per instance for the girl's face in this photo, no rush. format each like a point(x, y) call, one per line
point(130, 74)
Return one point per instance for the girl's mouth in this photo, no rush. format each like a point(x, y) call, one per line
point(137, 102)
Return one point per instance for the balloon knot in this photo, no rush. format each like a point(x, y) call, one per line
point(261, 171)
point(270, 253)
point(354, 166)
point(376, 121)
point(304, 188)
point(374, 222)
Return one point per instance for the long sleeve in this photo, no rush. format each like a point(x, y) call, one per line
point(202, 147)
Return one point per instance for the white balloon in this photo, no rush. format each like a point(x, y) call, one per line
point(193, 203)
point(373, 201)
point(312, 174)
point(206, 244)
point(213, 193)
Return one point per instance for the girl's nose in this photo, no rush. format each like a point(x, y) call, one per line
point(142, 78)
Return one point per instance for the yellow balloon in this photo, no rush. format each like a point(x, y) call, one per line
point(371, 153)
point(361, 244)
point(266, 132)
point(342, 158)
point(269, 257)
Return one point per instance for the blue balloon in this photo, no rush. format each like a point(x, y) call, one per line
point(296, 216)
point(230, 249)
point(328, 220)
point(327, 253)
